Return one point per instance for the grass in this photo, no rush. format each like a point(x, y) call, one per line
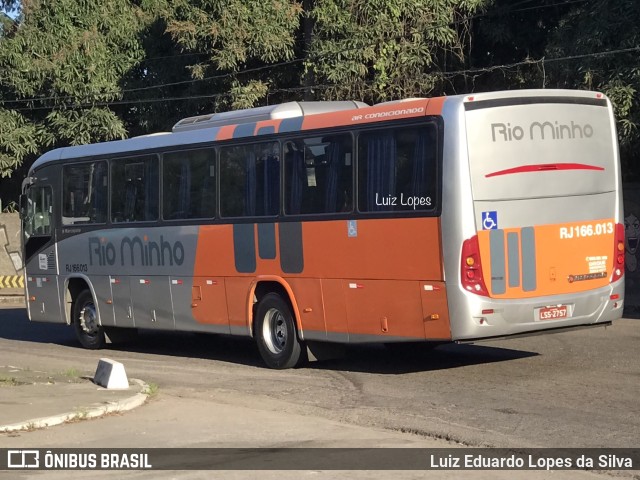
point(81, 413)
point(71, 373)
point(151, 390)
point(29, 427)
point(8, 381)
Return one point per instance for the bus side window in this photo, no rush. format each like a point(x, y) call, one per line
point(397, 169)
point(318, 175)
point(188, 184)
point(250, 180)
point(84, 193)
point(134, 189)
point(40, 209)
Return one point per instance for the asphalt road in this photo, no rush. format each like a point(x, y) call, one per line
point(573, 389)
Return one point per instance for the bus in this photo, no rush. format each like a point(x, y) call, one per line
point(310, 225)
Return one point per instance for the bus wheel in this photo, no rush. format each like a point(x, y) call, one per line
point(276, 334)
point(89, 332)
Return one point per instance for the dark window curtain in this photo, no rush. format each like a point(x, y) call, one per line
point(250, 184)
point(184, 192)
point(381, 169)
point(130, 196)
point(334, 155)
point(419, 180)
point(150, 191)
point(298, 174)
point(77, 195)
point(98, 187)
point(207, 193)
point(271, 185)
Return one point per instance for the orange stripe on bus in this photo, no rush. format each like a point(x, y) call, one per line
point(377, 113)
point(226, 132)
point(434, 107)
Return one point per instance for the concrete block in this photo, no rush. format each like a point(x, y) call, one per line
point(111, 374)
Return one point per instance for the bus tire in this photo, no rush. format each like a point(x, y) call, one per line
point(276, 333)
point(89, 332)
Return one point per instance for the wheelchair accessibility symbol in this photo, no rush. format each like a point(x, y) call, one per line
point(490, 220)
point(352, 228)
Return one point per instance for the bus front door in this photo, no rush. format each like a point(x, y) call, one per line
point(41, 269)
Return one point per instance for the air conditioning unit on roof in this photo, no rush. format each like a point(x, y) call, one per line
point(270, 112)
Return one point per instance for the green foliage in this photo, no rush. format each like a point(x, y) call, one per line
point(80, 71)
point(385, 49)
point(235, 31)
point(65, 54)
point(151, 390)
point(234, 35)
point(247, 95)
point(510, 33)
point(69, 47)
point(77, 127)
point(6, 24)
point(605, 35)
point(579, 45)
point(19, 138)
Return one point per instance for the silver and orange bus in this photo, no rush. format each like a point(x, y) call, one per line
point(306, 225)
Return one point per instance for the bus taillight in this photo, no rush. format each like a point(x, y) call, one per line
point(618, 254)
point(471, 267)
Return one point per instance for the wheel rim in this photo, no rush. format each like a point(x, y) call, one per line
point(89, 319)
point(275, 331)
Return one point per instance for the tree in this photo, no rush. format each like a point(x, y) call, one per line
point(582, 44)
point(235, 36)
point(60, 66)
point(321, 49)
point(386, 49)
point(507, 43)
point(600, 40)
point(79, 71)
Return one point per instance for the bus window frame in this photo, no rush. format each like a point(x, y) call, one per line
point(256, 140)
point(307, 134)
point(439, 138)
point(213, 147)
point(281, 139)
point(29, 218)
point(84, 161)
point(141, 155)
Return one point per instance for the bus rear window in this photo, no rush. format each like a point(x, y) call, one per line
point(397, 169)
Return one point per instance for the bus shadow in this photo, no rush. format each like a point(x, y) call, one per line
point(377, 359)
point(223, 348)
point(15, 325)
point(357, 358)
point(370, 358)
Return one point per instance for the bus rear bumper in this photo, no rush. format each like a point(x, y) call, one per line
point(534, 333)
point(489, 318)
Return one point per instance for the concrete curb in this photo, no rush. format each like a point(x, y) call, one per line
point(83, 413)
point(9, 299)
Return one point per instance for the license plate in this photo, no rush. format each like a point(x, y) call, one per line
point(553, 313)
